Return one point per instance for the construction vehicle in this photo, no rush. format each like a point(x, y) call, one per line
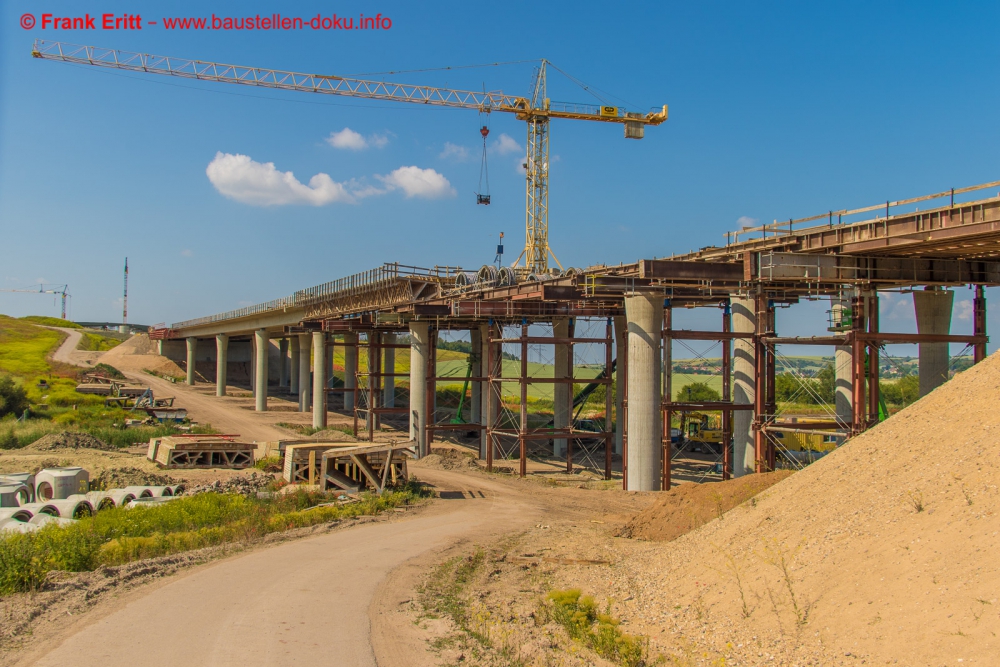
point(702, 430)
point(536, 110)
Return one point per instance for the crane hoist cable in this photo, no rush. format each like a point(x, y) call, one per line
point(483, 197)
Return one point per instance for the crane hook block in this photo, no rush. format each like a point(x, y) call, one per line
point(485, 131)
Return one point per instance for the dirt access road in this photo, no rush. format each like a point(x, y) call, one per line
point(303, 603)
point(67, 352)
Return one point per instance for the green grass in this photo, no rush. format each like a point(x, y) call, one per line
point(92, 342)
point(578, 614)
point(25, 348)
point(114, 537)
point(47, 321)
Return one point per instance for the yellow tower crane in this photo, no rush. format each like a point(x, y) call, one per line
point(535, 110)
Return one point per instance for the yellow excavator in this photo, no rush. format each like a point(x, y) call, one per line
point(702, 429)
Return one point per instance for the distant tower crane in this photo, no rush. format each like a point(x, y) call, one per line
point(62, 290)
point(535, 110)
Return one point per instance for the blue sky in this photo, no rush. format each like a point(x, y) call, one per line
point(777, 110)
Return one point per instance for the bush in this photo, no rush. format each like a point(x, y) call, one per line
point(698, 391)
point(578, 614)
point(13, 398)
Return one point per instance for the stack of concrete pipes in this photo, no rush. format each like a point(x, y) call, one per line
point(61, 495)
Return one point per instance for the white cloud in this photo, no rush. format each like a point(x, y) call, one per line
point(746, 221)
point(963, 310)
point(261, 184)
point(187, 252)
point(417, 182)
point(505, 144)
point(454, 152)
point(348, 139)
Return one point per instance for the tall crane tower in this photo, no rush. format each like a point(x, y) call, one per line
point(536, 110)
point(62, 290)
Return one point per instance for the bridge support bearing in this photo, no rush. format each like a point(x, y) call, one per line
point(419, 354)
point(305, 396)
point(319, 395)
point(933, 309)
point(192, 349)
point(744, 320)
point(260, 377)
point(293, 370)
point(221, 363)
point(645, 324)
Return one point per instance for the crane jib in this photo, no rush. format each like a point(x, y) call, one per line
point(536, 112)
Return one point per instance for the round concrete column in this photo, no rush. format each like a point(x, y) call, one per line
point(744, 390)
point(192, 349)
point(283, 367)
point(350, 369)
point(305, 396)
point(933, 308)
point(560, 392)
point(388, 366)
point(221, 363)
point(419, 349)
point(319, 379)
point(644, 314)
point(260, 380)
point(476, 397)
point(842, 358)
point(293, 370)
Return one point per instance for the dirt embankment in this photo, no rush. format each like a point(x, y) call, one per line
point(139, 354)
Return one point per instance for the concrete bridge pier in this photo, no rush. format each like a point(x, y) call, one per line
point(843, 370)
point(304, 376)
point(262, 345)
point(192, 348)
point(350, 369)
point(933, 309)
point(293, 370)
point(388, 368)
point(744, 318)
point(419, 351)
point(283, 363)
point(319, 379)
point(221, 363)
point(644, 314)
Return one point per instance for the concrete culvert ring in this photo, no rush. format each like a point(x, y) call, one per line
point(106, 503)
point(146, 493)
point(44, 491)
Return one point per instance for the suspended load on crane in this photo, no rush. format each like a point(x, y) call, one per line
point(484, 172)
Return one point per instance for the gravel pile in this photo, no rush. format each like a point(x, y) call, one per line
point(119, 478)
point(245, 485)
point(69, 440)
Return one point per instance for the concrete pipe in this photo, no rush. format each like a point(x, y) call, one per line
point(17, 513)
point(14, 495)
point(139, 491)
point(42, 508)
point(162, 491)
point(60, 483)
point(16, 526)
point(73, 508)
point(149, 502)
point(121, 497)
point(101, 500)
point(177, 489)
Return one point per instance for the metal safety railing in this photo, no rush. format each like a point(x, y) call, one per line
point(347, 286)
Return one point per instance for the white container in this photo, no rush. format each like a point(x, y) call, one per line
point(60, 483)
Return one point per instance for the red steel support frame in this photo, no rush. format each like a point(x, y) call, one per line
point(858, 349)
point(979, 323)
point(727, 415)
point(373, 378)
point(608, 398)
point(668, 357)
point(873, 359)
point(760, 440)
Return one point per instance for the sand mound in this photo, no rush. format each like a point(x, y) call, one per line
point(689, 506)
point(882, 551)
point(139, 354)
point(70, 440)
point(117, 478)
point(448, 459)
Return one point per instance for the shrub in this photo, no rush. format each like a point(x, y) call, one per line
point(578, 614)
point(13, 398)
point(698, 391)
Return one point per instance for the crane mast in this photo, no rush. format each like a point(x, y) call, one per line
point(536, 112)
